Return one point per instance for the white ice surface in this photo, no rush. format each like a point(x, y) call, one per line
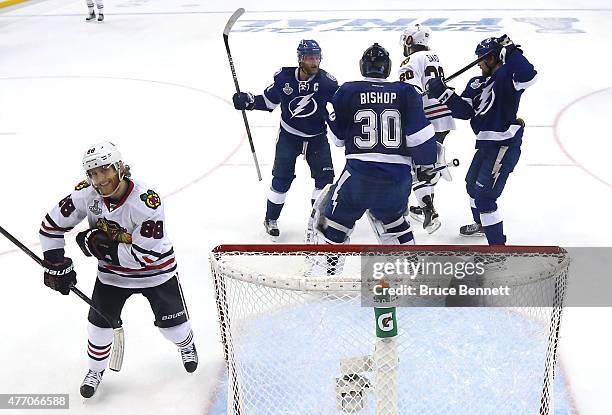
point(154, 79)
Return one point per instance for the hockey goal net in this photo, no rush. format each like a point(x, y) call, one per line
point(301, 337)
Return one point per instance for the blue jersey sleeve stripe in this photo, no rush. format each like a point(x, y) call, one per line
point(380, 158)
point(271, 105)
point(524, 85)
point(338, 142)
point(499, 135)
point(420, 136)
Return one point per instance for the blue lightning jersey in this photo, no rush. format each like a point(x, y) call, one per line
point(491, 103)
point(383, 127)
point(303, 103)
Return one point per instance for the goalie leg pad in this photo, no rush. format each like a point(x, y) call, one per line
point(325, 264)
point(394, 232)
point(316, 214)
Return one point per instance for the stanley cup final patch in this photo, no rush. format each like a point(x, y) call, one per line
point(151, 199)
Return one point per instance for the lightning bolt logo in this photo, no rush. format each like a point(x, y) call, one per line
point(487, 97)
point(343, 178)
point(498, 164)
point(302, 103)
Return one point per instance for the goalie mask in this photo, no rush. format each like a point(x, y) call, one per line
point(104, 168)
point(375, 62)
point(415, 38)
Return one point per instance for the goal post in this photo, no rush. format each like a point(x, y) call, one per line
point(303, 330)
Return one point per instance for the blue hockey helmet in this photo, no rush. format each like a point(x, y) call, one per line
point(308, 47)
point(375, 62)
point(486, 46)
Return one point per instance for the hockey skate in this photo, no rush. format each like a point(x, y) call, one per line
point(272, 229)
point(473, 229)
point(100, 17)
point(427, 215)
point(90, 383)
point(91, 16)
point(189, 355)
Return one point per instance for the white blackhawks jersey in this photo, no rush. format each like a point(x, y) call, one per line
point(419, 68)
point(145, 254)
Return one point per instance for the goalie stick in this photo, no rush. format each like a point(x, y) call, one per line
point(116, 357)
point(228, 27)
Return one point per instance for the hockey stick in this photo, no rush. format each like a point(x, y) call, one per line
point(234, 17)
point(469, 65)
point(453, 163)
point(466, 67)
point(116, 358)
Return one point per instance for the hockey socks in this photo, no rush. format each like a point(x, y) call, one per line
point(273, 210)
point(493, 227)
point(276, 197)
point(182, 336)
point(475, 212)
point(99, 345)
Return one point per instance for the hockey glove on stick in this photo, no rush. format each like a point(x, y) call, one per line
point(59, 272)
point(436, 88)
point(243, 101)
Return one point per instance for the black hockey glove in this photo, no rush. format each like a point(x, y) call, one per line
point(59, 273)
point(243, 101)
point(94, 242)
point(436, 88)
point(425, 173)
point(506, 47)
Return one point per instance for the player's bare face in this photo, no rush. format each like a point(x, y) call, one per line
point(105, 179)
point(310, 64)
point(484, 68)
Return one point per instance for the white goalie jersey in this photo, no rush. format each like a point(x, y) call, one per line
point(419, 68)
point(145, 254)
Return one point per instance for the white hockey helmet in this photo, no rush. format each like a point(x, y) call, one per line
point(420, 35)
point(103, 154)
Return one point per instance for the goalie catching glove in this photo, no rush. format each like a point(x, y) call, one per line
point(59, 274)
point(94, 242)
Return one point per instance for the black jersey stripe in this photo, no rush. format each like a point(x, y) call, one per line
point(55, 225)
point(50, 235)
point(136, 276)
point(153, 253)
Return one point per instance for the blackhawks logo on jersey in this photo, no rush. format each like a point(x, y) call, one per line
point(82, 185)
point(151, 199)
point(114, 231)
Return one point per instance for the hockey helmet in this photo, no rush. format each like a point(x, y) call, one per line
point(420, 35)
point(308, 47)
point(486, 46)
point(103, 154)
point(375, 62)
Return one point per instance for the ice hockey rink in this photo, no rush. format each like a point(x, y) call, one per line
point(154, 79)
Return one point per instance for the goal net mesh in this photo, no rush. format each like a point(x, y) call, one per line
point(298, 338)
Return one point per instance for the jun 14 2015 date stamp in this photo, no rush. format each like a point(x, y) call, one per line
point(34, 401)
